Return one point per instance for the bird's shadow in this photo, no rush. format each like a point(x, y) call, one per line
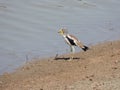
point(65, 58)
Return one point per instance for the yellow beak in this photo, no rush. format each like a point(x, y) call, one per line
point(58, 31)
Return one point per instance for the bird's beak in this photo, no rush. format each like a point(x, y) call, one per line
point(58, 31)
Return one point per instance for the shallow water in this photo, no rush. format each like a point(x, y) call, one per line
point(28, 28)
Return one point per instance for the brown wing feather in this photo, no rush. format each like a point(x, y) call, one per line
point(80, 44)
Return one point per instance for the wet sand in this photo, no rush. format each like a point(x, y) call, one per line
point(96, 69)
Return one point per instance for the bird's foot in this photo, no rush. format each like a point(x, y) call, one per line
point(71, 58)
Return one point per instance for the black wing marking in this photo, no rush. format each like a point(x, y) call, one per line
point(71, 41)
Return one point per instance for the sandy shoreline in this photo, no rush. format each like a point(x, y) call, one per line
point(96, 69)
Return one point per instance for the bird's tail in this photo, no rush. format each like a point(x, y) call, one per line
point(84, 48)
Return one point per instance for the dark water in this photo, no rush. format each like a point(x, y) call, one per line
point(28, 28)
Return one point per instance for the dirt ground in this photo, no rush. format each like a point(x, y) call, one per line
point(96, 69)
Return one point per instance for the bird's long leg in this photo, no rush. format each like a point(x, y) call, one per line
point(72, 49)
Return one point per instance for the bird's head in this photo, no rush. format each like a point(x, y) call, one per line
point(62, 31)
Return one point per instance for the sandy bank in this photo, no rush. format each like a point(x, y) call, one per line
point(96, 69)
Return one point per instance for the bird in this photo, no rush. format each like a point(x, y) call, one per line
point(72, 41)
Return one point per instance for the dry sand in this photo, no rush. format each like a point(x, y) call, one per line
point(96, 69)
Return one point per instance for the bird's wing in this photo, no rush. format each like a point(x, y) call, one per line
point(72, 37)
point(76, 41)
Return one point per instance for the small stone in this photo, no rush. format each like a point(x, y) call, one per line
point(87, 76)
point(91, 79)
point(114, 68)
